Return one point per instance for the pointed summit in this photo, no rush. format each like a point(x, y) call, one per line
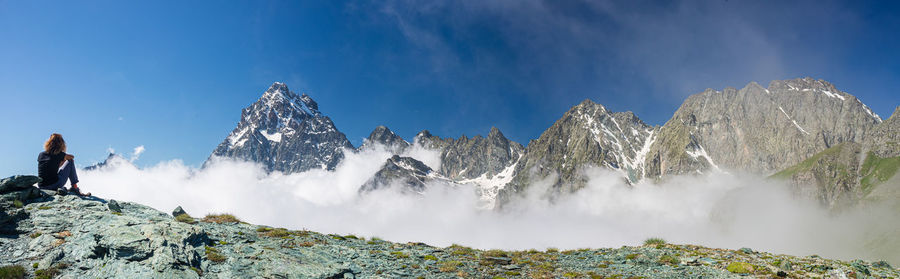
point(285, 132)
point(384, 136)
point(586, 135)
point(283, 101)
point(495, 133)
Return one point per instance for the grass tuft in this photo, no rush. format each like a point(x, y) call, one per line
point(654, 241)
point(220, 218)
point(449, 266)
point(184, 218)
point(740, 268)
point(214, 255)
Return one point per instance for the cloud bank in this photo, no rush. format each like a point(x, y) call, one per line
point(717, 210)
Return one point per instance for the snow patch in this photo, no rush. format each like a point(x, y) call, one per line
point(869, 111)
point(274, 137)
point(238, 137)
point(701, 152)
point(833, 95)
point(488, 187)
point(792, 121)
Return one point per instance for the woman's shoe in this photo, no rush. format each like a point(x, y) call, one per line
point(75, 190)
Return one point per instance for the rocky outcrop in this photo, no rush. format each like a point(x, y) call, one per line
point(285, 132)
point(884, 138)
point(756, 129)
point(409, 173)
point(587, 135)
point(385, 137)
point(74, 237)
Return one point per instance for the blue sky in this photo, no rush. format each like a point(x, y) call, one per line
point(173, 75)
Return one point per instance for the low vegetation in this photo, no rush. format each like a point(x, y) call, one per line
point(214, 255)
point(220, 218)
point(50, 272)
point(12, 272)
point(876, 170)
point(740, 268)
point(654, 241)
point(184, 218)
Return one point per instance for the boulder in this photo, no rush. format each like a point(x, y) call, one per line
point(113, 206)
point(17, 182)
point(178, 211)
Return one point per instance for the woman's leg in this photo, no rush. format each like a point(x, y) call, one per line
point(67, 172)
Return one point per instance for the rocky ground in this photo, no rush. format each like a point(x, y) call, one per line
point(51, 236)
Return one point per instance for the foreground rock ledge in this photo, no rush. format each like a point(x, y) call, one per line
point(73, 237)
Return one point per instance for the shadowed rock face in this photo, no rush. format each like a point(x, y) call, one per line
point(758, 129)
point(384, 136)
point(285, 132)
point(409, 173)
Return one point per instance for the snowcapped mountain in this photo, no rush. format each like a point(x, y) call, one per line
point(285, 132)
point(754, 129)
point(587, 135)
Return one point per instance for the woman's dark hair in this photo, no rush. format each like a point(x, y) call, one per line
point(55, 144)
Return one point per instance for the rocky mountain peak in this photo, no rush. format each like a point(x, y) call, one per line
point(495, 132)
point(587, 107)
point(282, 101)
point(384, 136)
point(285, 132)
point(586, 135)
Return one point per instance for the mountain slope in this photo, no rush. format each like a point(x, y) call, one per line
point(756, 129)
point(848, 173)
point(285, 132)
point(587, 135)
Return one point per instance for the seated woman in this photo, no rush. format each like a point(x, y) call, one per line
point(55, 167)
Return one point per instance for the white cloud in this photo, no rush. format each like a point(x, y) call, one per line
point(718, 210)
point(137, 153)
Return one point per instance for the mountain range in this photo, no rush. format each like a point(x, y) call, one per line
point(774, 131)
